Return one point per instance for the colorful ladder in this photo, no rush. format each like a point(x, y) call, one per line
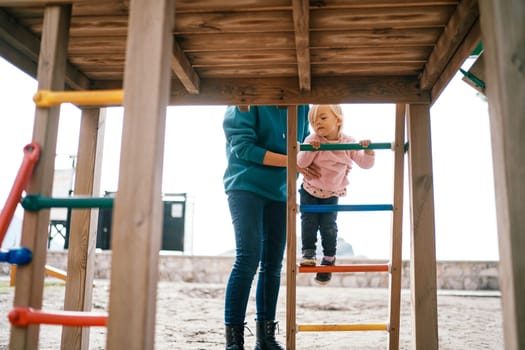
point(393, 267)
point(26, 316)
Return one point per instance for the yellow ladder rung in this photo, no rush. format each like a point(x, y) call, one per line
point(341, 327)
point(48, 98)
point(49, 271)
point(54, 272)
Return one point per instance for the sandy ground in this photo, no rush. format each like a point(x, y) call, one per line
point(190, 316)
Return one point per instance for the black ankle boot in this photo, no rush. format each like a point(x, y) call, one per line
point(265, 333)
point(235, 337)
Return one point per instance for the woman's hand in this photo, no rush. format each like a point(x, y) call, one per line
point(311, 172)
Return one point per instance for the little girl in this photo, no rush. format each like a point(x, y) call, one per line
point(326, 122)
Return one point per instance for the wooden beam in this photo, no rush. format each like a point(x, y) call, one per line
point(18, 59)
point(283, 91)
point(82, 236)
point(138, 211)
point(301, 21)
point(251, 41)
point(181, 67)
point(469, 44)
point(423, 248)
point(43, 3)
point(17, 39)
point(51, 72)
point(18, 45)
point(453, 34)
point(392, 38)
point(33, 3)
point(503, 25)
point(279, 91)
point(242, 5)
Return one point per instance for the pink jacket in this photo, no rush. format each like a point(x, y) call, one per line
point(334, 166)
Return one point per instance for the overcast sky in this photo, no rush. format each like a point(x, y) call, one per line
point(463, 183)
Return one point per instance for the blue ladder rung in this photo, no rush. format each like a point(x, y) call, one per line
point(18, 256)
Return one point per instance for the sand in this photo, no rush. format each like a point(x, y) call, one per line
point(190, 316)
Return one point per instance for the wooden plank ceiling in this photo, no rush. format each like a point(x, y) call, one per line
point(267, 51)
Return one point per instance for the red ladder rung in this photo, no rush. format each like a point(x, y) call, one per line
point(346, 268)
point(31, 156)
point(23, 316)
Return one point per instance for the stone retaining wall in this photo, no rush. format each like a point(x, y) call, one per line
point(454, 275)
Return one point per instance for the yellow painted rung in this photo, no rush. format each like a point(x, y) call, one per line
point(49, 270)
point(57, 273)
point(341, 327)
point(12, 276)
point(47, 98)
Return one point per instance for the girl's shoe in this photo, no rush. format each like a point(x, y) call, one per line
point(324, 277)
point(308, 258)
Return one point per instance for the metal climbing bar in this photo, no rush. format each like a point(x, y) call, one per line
point(31, 156)
point(346, 268)
point(48, 98)
point(24, 316)
point(328, 208)
point(345, 146)
point(19, 256)
point(342, 327)
point(37, 202)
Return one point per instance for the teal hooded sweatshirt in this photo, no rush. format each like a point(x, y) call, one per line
point(248, 136)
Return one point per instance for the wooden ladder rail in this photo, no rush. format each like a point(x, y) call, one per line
point(396, 270)
point(396, 243)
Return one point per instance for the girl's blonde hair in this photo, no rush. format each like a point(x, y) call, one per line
point(336, 109)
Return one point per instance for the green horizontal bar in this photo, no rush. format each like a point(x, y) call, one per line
point(36, 202)
point(474, 79)
point(345, 146)
point(329, 208)
point(478, 50)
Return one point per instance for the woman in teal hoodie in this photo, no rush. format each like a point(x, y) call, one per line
point(255, 183)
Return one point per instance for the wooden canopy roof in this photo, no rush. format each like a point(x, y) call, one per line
point(267, 51)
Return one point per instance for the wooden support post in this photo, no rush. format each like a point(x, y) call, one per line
point(397, 230)
point(423, 248)
point(51, 75)
point(137, 214)
point(82, 232)
point(503, 25)
point(291, 231)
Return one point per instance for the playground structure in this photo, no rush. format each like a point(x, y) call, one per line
point(146, 55)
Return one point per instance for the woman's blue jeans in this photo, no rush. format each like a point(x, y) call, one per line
point(260, 236)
